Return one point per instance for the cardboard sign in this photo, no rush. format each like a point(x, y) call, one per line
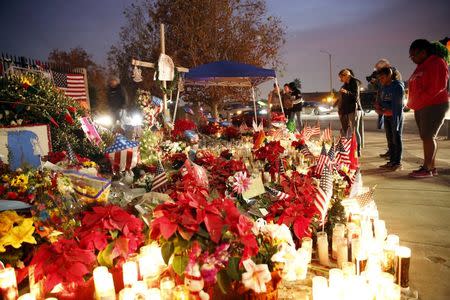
point(256, 187)
point(24, 145)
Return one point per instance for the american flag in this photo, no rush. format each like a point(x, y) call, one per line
point(366, 198)
point(327, 133)
point(322, 161)
point(123, 154)
point(342, 153)
point(71, 154)
point(281, 169)
point(331, 152)
point(72, 84)
point(324, 193)
point(276, 193)
point(160, 180)
point(316, 129)
point(306, 152)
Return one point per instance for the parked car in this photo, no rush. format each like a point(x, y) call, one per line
point(317, 108)
point(248, 117)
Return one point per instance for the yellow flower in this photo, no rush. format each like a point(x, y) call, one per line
point(89, 164)
point(7, 220)
point(5, 178)
point(54, 236)
point(27, 81)
point(23, 233)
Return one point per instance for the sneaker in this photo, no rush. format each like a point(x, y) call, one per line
point(396, 167)
point(385, 155)
point(434, 172)
point(421, 173)
point(387, 165)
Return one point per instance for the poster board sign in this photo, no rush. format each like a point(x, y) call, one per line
point(24, 145)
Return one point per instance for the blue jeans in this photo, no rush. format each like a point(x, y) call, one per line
point(394, 139)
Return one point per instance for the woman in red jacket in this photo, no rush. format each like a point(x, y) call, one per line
point(428, 97)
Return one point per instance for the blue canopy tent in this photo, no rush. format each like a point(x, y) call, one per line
point(233, 74)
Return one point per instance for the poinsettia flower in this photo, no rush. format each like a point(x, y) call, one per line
point(240, 182)
point(256, 276)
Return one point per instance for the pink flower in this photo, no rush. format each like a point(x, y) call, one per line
point(240, 182)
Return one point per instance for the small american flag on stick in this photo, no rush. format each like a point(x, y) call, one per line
point(366, 198)
point(324, 193)
point(72, 85)
point(276, 193)
point(327, 134)
point(160, 180)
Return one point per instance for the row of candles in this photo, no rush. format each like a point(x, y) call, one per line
point(370, 263)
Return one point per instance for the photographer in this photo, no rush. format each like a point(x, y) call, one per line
point(373, 80)
point(292, 103)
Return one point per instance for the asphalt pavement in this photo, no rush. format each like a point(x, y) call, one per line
point(418, 210)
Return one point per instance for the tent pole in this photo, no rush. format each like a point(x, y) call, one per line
point(279, 95)
point(254, 104)
point(176, 103)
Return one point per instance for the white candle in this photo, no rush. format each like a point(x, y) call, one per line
point(336, 283)
point(301, 263)
point(27, 296)
point(127, 294)
point(338, 233)
point(148, 266)
point(380, 230)
point(322, 248)
point(320, 288)
point(348, 268)
point(104, 285)
point(154, 294)
point(130, 273)
point(342, 251)
point(356, 248)
point(393, 239)
point(8, 284)
point(166, 286)
point(402, 266)
point(307, 244)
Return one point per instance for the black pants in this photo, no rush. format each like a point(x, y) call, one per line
point(394, 139)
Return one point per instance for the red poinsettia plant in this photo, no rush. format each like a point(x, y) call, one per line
point(298, 210)
point(62, 262)
point(180, 126)
point(111, 232)
point(194, 217)
point(271, 153)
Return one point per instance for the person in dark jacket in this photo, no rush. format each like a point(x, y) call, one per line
point(349, 103)
point(391, 102)
point(382, 63)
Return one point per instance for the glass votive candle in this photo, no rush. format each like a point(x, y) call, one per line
point(166, 287)
point(380, 230)
point(338, 233)
point(341, 251)
point(154, 294)
point(348, 268)
point(355, 248)
point(388, 259)
point(27, 296)
point(319, 288)
point(392, 239)
point(402, 266)
point(307, 244)
point(127, 294)
point(130, 273)
point(180, 292)
point(322, 248)
point(336, 278)
point(8, 284)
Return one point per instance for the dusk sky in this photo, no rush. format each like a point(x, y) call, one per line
point(356, 32)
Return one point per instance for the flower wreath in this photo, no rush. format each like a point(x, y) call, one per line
point(173, 84)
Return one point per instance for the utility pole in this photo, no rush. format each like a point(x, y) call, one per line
point(331, 74)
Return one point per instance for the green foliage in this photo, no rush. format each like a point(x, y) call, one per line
point(336, 214)
point(167, 250)
point(33, 99)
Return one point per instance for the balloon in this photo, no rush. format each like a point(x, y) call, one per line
point(191, 136)
point(291, 126)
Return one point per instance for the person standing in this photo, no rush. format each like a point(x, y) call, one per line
point(428, 97)
point(273, 102)
point(391, 102)
point(349, 103)
point(382, 63)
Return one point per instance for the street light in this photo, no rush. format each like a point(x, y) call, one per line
point(331, 78)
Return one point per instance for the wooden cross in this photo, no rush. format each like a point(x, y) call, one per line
point(145, 64)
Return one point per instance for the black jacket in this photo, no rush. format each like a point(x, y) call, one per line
point(350, 101)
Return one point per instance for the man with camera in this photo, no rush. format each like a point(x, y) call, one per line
point(373, 80)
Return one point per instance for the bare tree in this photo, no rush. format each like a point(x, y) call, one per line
point(198, 32)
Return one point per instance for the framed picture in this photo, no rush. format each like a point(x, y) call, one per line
point(24, 145)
